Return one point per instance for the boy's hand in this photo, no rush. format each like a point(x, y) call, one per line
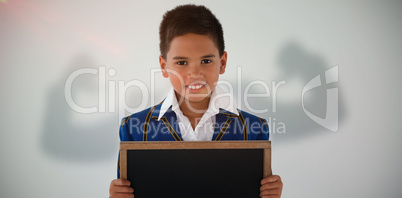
point(120, 188)
point(271, 187)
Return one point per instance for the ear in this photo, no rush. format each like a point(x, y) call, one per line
point(224, 59)
point(162, 63)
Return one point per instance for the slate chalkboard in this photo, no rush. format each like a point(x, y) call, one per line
point(195, 169)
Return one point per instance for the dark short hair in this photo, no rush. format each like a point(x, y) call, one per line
point(190, 18)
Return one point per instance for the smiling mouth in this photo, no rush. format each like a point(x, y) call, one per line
point(195, 86)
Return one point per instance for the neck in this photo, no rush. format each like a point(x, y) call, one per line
point(193, 109)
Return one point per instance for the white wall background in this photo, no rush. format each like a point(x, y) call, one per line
point(49, 150)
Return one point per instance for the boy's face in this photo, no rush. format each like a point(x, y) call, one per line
point(193, 66)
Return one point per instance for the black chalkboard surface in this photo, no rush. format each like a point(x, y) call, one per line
point(195, 169)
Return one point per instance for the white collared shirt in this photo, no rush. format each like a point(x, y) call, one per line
point(205, 128)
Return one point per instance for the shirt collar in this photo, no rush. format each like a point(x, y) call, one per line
point(220, 99)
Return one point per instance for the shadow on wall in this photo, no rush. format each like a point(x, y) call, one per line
point(73, 136)
point(290, 122)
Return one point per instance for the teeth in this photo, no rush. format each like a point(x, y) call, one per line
point(195, 86)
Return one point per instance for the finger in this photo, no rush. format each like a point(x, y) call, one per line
point(272, 192)
point(271, 196)
point(121, 182)
point(268, 186)
point(272, 178)
point(121, 195)
point(119, 189)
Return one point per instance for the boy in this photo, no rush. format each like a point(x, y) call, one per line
point(193, 57)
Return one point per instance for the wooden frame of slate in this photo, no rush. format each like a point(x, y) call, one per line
point(195, 168)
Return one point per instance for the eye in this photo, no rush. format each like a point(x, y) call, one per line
point(206, 61)
point(181, 63)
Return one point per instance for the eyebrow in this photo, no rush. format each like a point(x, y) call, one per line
point(182, 57)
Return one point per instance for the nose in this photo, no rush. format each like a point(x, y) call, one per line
point(195, 71)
